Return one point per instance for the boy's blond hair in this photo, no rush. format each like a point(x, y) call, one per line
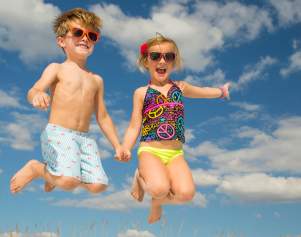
point(159, 39)
point(86, 18)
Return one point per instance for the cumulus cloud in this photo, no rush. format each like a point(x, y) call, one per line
point(121, 200)
point(198, 27)
point(288, 12)
point(261, 187)
point(18, 133)
point(9, 100)
point(136, 233)
point(254, 72)
point(294, 64)
point(32, 20)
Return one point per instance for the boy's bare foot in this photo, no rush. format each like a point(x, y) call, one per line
point(137, 190)
point(155, 212)
point(25, 175)
point(48, 187)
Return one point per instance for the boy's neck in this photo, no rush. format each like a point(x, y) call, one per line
point(79, 62)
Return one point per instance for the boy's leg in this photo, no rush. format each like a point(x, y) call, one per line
point(94, 188)
point(34, 169)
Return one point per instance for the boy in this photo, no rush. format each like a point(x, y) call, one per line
point(71, 157)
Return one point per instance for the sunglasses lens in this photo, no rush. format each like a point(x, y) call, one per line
point(154, 56)
point(93, 36)
point(170, 57)
point(77, 32)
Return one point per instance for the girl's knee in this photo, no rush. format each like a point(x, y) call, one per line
point(96, 188)
point(158, 191)
point(67, 183)
point(185, 195)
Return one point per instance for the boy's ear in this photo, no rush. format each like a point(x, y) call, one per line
point(60, 41)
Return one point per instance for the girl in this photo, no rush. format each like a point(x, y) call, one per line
point(158, 107)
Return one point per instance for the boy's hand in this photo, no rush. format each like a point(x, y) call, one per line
point(41, 100)
point(122, 154)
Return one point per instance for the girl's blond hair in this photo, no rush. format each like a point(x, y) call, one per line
point(86, 18)
point(158, 39)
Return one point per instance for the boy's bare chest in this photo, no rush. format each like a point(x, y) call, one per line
point(76, 83)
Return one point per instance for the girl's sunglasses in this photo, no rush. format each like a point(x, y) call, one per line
point(79, 33)
point(168, 57)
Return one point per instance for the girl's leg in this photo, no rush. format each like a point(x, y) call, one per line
point(182, 187)
point(153, 177)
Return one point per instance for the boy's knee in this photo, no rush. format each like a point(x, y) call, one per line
point(67, 183)
point(96, 188)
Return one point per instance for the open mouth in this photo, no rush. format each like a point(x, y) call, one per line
point(161, 70)
point(83, 46)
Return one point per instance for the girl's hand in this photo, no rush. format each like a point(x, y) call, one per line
point(41, 100)
point(225, 91)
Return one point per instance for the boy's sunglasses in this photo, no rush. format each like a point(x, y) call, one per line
point(79, 33)
point(168, 57)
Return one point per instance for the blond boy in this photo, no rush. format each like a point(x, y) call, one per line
point(70, 156)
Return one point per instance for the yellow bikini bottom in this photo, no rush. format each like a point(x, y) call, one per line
point(165, 155)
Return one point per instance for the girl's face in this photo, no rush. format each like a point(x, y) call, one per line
point(160, 61)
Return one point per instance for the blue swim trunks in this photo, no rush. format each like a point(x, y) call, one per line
point(71, 153)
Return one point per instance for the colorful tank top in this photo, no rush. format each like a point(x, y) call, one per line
point(163, 117)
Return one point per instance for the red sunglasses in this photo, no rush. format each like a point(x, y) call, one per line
point(80, 33)
point(168, 57)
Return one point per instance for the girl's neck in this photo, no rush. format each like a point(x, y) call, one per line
point(159, 83)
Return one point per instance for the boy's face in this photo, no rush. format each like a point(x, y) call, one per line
point(79, 40)
point(160, 61)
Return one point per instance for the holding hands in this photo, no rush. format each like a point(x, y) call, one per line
point(122, 154)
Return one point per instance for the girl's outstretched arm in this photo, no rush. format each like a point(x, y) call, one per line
point(191, 91)
point(134, 127)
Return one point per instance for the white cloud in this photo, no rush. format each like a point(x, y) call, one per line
point(19, 133)
point(1, 171)
point(30, 20)
point(206, 177)
point(121, 200)
point(37, 234)
point(9, 100)
point(254, 72)
point(197, 27)
point(277, 151)
point(199, 200)
point(294, 64)
point(289, 12)
point(246, 106)
point(136, 233)
point(261, 187)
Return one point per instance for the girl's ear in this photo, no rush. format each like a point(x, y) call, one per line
point(145, 63)
point(60, 41)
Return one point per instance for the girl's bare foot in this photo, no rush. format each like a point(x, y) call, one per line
point(137, 190)
point(155, 212)
point(48, 187)
point(25, 175)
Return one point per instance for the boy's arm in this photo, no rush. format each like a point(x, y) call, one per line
point(103, 118)
point(134, 127)
point(191, 91)
point(37, 95)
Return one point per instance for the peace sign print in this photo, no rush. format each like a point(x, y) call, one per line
point(176, 96)
point(161, 99)
point(180, 123)
point(165, 131)
point(155, 112)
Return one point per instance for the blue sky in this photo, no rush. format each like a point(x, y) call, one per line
point(244, 153)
